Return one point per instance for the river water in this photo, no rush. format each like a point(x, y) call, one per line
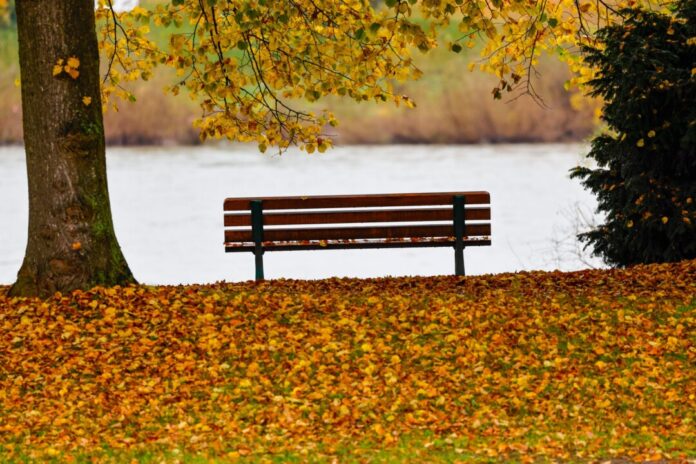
point(167, 207)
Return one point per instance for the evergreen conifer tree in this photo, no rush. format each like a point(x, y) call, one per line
point(645, 180)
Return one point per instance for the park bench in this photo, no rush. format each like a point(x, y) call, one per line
point(456, 219)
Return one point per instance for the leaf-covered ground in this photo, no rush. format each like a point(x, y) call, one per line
point(531, 366)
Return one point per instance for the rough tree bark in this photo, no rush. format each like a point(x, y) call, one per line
point(71, 243)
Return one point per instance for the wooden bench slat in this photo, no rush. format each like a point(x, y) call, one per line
point(357, 216)
point(340, 233)
point(350, 201)
point(287, 246)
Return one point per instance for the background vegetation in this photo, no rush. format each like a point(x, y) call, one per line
point(647, 162)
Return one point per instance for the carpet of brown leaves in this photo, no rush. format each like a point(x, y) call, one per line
point(590, 364)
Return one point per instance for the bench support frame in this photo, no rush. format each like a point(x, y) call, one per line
point(257, 235)
point(459, 233)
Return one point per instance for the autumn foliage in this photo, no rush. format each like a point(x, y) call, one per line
point(584, 365)
point(249, 62)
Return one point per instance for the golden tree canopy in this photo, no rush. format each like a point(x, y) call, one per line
point(247, 61)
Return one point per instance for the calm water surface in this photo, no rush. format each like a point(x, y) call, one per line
point(167, 207)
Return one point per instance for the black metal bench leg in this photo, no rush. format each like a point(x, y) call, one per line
point(459, 261)
point(258, 256)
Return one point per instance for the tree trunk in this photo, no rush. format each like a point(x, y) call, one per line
point(71, 243)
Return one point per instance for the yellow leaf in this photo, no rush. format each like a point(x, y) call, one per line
point(76, 246)
point(87, 100)
point(73, 62)
point(252, 369)
point(74, 73)
point(640, 143)
point(665, 219)
point(651, 134)
point(57, 69)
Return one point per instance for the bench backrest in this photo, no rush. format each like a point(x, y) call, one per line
point(321, 222)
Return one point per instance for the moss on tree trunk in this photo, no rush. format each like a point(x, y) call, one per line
point(71, 242)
